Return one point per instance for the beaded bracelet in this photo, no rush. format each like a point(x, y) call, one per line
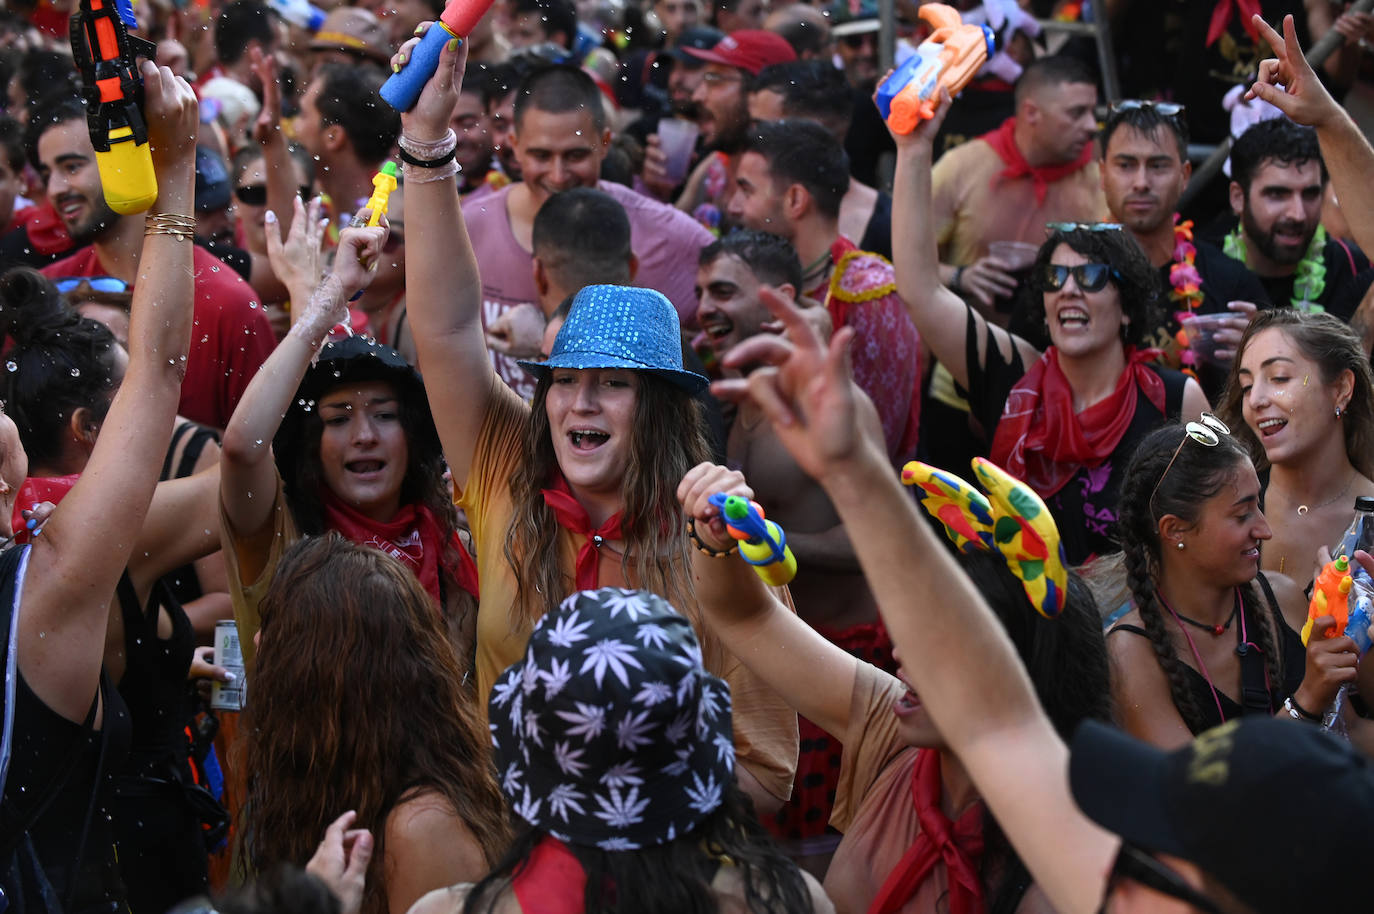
point(182, 228)
point(702, 547)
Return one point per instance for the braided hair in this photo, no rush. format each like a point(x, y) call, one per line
point(1149, 493)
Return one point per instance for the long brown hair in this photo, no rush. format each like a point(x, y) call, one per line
point(357, 702)
point(669, 438)
point(1334, 347)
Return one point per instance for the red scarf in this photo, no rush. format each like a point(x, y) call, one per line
point(1221, 18)
point(552, 881)
point(38, 489)
point(957, 844)
point(412, 537)
point(573, 518)
point(1003, 142)
point(1042, 441)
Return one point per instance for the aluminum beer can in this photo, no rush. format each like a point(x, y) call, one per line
point(228, 696)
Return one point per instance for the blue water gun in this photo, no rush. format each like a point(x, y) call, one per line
point(761, 542)
point(402, 90)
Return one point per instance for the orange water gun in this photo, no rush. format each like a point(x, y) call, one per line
point(949, 58)
point(106, 54)
point(1330, 597)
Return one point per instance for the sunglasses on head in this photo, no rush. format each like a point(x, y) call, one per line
point(256, 194)
point(97, 284)
point(1139, 866)
point(1207, 431)
point(1082, 227)
point(1089, 277)
point(1165, 109)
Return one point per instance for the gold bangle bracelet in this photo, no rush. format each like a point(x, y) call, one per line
point(182, 228)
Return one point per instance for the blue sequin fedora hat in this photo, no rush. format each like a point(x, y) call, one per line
point(621, 327)
point(609, 732)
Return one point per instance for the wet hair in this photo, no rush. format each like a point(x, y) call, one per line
point(1066, 660)
point(669, 438)
point(54, 111)
point(1147, 120)
point(1334, 347)
point(674, 877)
point(582, 236)
point(1153, 489)
point(239, 24)
point(811, 90)
point(1053, 70)
point(805, 153)
point(558, 89)
point(558, 17)
point(1277, 140)
point(315, 747)
point(61, 362)
point(771, 258)
point(1135, 280)
point(349, 97)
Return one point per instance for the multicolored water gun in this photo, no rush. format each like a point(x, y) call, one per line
point(459, 18)
point(1010, 520)
point(1330, 597)
point(761, 542)
point(950, 57)
point(106, 54)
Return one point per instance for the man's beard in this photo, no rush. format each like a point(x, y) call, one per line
point(1264, 241)
point(96, 225)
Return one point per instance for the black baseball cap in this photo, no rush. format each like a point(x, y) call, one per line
point(1277, 811)
point(699, 37)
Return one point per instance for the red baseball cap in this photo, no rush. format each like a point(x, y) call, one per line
point(748, 49)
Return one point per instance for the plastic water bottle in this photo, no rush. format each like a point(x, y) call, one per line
point(1359, 535)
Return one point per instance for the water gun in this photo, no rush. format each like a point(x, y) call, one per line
point(459, 18)
point(383, 183)
point(1330, 597)
point(949, 58)
point(105, 53)
point(761, 542)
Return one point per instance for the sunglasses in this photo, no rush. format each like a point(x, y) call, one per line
point(1083, 226)
point(1207, 431)
point(855, 42)
point(1138, 866)
point(97, 284)
point(1165, 109)
point(256, 194)
point(1089, 277)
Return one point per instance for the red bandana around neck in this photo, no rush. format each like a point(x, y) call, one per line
point(1041, 440)
point(413, 537)
point(1003, 142)
point(552, 881)
point(38, 489)
point(1221, 18)
point(959, 845)
point(573, 518)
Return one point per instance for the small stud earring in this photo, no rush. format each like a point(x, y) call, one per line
point(1178, 545)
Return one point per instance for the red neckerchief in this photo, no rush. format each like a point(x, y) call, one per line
point(573, 518)
point(957, 844)
point(1003, 143)
point(552, 880)
point(38, 489)
point(1221, 18)
point(412, 537)
point(1042, 441)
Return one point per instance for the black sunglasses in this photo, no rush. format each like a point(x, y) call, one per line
point(1137, 865)
point(256, 194)
point(857, 41)
point(1090, 277)
point(1164, 109)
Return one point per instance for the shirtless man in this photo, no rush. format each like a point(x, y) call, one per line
point(829, 591)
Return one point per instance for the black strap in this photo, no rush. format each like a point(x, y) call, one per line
point(1133, 629)
point(200, 435)
point(1256, 697)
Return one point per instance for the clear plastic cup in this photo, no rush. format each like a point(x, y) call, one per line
point(678, 139)
point(1201, 330)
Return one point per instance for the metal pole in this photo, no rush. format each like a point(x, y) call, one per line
point(887, 34)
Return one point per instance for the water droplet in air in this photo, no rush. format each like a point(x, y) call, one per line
point(76, 372)
point(11, 365)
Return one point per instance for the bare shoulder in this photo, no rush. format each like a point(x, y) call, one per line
point(426, 838)
point(442, 901)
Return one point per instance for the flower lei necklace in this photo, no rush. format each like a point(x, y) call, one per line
point(1185, 284)
point(1309, 280)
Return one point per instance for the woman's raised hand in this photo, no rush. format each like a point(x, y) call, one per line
point(1331, 663)
point(296, 261)
point(1287, 80)
point(694, 493)
point(173, 117)
point(922, 138)
point(429, 120)
point(355, 259)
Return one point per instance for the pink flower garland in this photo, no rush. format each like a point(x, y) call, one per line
point(1186, 284)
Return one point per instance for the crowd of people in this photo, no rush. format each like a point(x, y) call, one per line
point(441, 525)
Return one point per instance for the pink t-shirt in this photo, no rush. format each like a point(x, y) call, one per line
point(665, 240)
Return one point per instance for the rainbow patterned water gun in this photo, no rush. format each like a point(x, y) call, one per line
point(1010, 520)
point(761, 542)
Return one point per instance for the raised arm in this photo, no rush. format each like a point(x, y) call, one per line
point(443, 291)
point(75, 565)
point(940, 315)
point(1288, 83)
point(957, 655)
point(248, 473)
